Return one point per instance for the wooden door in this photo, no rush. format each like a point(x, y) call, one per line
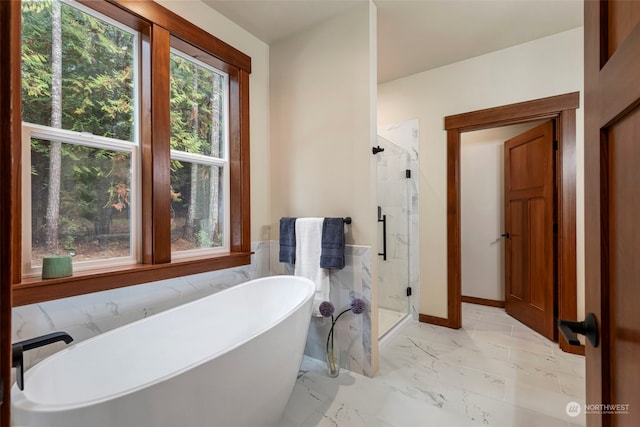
point(612, 209)
point(9, 131)
point(529, 217)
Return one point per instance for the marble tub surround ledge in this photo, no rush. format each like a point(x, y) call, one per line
point(86, 316)
point(352, 333)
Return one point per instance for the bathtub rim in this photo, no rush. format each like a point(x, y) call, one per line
point(20, 400)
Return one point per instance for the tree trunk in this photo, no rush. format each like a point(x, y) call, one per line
point(191, 213)
point(55, 160)
point(215, 151)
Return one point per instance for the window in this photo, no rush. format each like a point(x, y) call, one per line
point(134, 147)
point(80, 152)
point(93, 218)
point(199, 169)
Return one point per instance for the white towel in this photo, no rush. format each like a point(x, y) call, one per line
point(308, 250)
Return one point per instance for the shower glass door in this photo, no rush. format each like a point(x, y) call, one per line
point(393, 174)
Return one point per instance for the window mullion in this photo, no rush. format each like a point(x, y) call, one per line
point(156, 243)
point(239, 167)
point(145, 135)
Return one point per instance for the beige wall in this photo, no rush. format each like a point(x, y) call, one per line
point(549, 66)
point(211, 21)
point(323, 91)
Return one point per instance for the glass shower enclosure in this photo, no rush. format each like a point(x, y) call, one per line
point(393, 199)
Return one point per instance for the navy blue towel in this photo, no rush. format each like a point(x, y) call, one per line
point(332, 255)
point(288, 240)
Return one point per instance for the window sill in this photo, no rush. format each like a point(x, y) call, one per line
point(33, 290)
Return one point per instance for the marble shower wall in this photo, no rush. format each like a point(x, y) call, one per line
point(352, 332)
point(86, 316)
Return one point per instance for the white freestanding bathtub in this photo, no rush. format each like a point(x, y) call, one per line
point(230, 359)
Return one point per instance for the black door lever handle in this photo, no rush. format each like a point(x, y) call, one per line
point(505, 235)
point(588, 328)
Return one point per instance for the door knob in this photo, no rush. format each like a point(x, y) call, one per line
point(505, 235)
point(588, 328)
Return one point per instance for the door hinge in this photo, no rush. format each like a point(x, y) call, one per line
point(408, 291)
point(407, 173)
point(555, 145)
point(555, 228)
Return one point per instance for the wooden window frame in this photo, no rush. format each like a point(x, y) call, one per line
point(159, 29)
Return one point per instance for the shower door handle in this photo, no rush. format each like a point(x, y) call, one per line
point(383, 220)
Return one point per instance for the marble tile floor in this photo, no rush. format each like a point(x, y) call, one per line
point(494, 371)
point(387, 319)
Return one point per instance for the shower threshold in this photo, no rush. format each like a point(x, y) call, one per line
point(387, 319)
